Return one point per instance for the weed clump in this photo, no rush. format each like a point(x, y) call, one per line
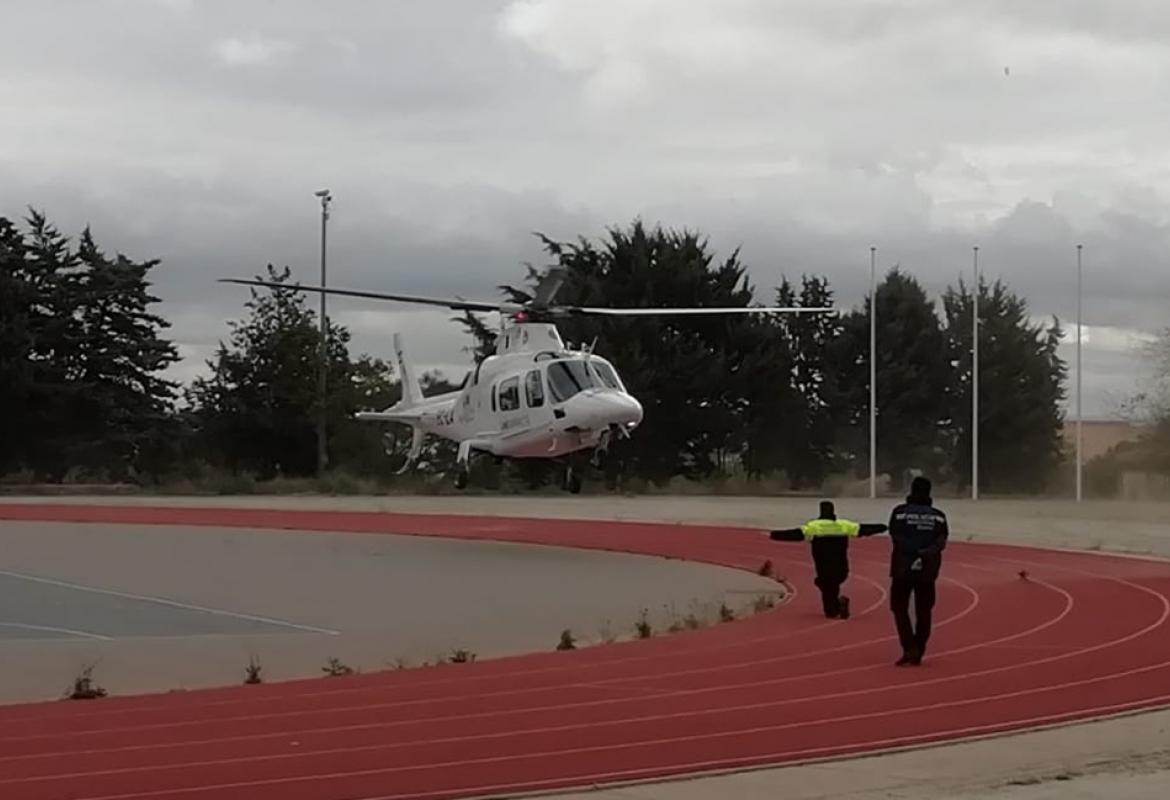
point(606, 634)
point(725, 613)
point(645, 631)
point(334, 668)
point(567, 642)
point(253, 672)
point(84, 687)
point(763, 602)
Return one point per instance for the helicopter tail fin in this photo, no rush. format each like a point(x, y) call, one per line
point(411, 391)
point(406, 410)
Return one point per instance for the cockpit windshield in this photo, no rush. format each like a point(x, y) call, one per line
point(607, 374)
point(567, 378)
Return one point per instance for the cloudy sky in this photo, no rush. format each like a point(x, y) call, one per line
point(803, 132)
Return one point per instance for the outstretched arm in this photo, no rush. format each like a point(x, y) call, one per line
point(872, 528)
point(788, 535)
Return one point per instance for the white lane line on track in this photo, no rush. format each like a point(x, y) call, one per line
point(294, 779)
point(691, 770)
point(50, 629)
point(164, 602)
point(626, 681)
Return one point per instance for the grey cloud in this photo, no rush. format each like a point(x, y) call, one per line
point(416, 239)
point(390, 60)
point(1032, 249)
point(1136, 20)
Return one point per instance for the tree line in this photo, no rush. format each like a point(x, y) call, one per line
point(1149, 406)
point(82, 359)
point(790, 393)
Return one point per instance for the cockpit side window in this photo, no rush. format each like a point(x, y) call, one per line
point(567, 378)
point(534, 389)
point(510, 394)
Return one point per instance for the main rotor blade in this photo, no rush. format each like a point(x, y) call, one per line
point(699, 310)
point(547, 287)
point(459, 305)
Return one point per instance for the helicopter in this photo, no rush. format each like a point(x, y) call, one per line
point(535, 397)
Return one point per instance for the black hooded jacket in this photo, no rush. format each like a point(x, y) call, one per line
point(919, 534)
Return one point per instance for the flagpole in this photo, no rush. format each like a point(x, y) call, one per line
point(1079, 375)
point(872, 373)
point(975, 380)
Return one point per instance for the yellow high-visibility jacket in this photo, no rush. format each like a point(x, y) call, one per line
point(828, 528)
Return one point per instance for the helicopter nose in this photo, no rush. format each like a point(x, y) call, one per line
point(633, 413)
point(610, 408)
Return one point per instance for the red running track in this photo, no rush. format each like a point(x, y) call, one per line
point(1084, 636)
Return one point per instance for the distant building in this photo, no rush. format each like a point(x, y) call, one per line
point(1099, 436)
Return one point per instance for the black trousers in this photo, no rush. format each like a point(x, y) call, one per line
point(830, 587)
point(831, 560)
point(912, 635)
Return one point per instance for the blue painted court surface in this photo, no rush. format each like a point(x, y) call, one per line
point(34, 607)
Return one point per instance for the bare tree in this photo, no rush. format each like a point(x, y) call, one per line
point(1151, 403)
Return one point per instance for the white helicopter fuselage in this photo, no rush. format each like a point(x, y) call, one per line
point(523, 402)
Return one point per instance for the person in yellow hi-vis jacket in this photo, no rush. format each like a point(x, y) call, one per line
point(829, 538)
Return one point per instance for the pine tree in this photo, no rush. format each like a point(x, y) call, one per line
point(688, 372)
point(126, 411)
point(483, 338)
point(815, 418)
point(257, 411)
point(911, 380)
point(16, 349)
point(774, 417)
point(1021, 390)
point(56, 389)
point(81, 356)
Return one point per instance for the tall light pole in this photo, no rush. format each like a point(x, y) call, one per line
point(322, 450)
point(872, 373)
point(1079, 374)
point(975, 379)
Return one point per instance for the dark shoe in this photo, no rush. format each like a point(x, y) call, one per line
point(844, 608)
point(909, 658)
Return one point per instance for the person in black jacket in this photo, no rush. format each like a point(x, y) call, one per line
point(919, 534)
point(830, 551)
